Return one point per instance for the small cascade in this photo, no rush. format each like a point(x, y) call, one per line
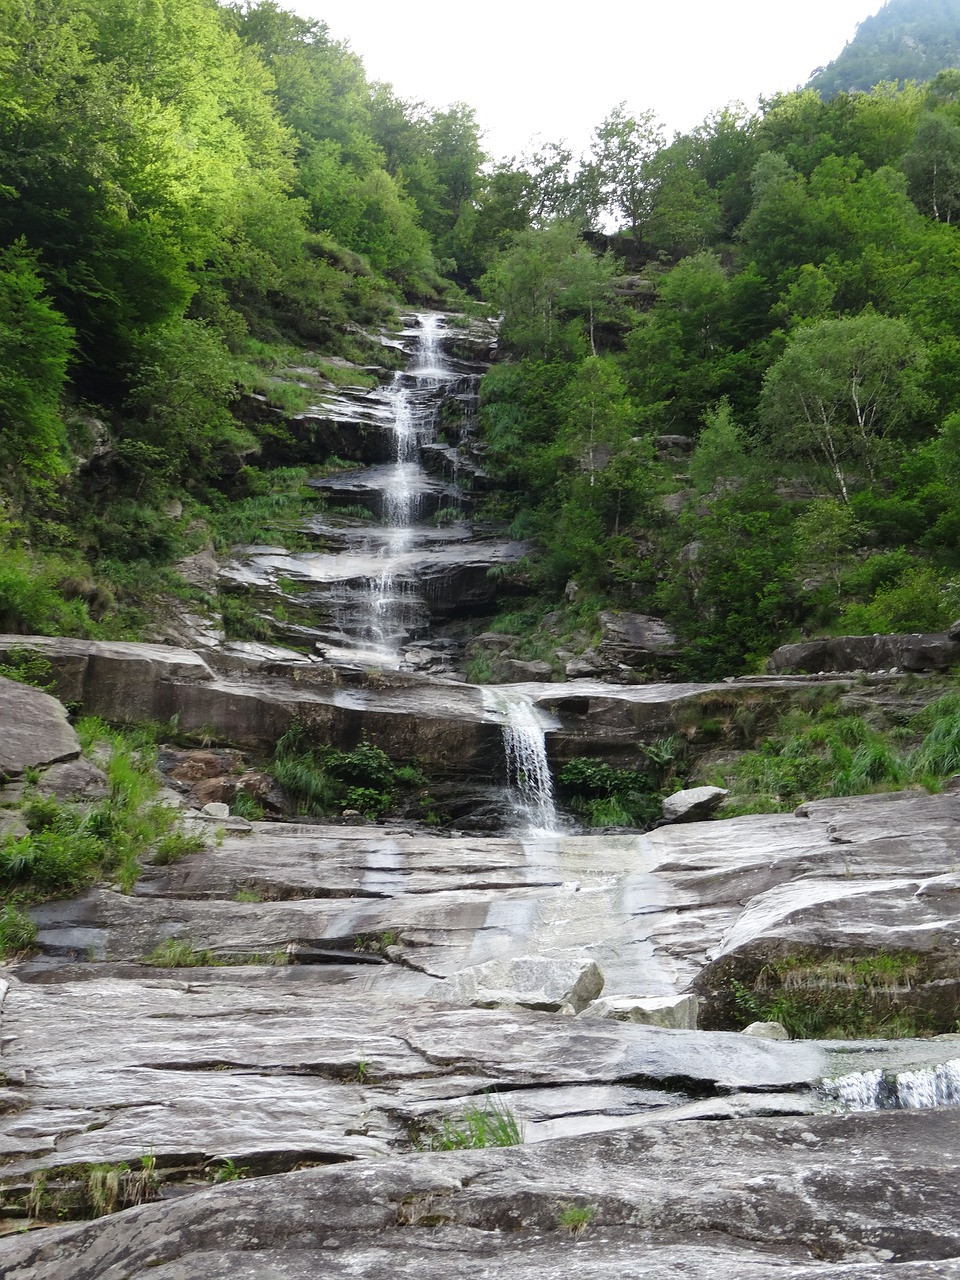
point(930, 1086)
point(937, 1086)
point(528, 770)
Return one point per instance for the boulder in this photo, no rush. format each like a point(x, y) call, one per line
point(74, 780)
point(693, 805)
point(679, 1012)
point(35, 729)
point(767, 1031)
point(635, 639)
point(526, 982)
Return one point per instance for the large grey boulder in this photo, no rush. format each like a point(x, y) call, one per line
point(34, 729)
point(679, 1012)
point(527, 982)
point(693, 805)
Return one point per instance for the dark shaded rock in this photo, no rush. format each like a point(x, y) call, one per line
point(635, 639)
point(75, 780)
point(936, 651)
point(34, 730)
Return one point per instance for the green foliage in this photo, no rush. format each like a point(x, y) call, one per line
point(229, 1171)
point(177, 953)
point(70, 846)
point(575, 1218)
point(493, 1125)
point(177, 845)
point(840, 389)
point(17, 931)
point(244, 805)
point(609, 797)
point(35, 347)
point(814, 754)
point(27, 667)
point(323, 780)
point(903, 40)
point(840, 998)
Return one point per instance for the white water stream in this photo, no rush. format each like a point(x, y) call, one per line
point(392, 603)
point(528, 770)
point(937, 1086)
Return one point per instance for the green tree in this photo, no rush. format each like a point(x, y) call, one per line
point(840, 389)
point(932, 166)
point(619, 173)
point(35, 348)
point(545, 280)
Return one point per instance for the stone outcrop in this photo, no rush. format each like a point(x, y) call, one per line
point(527, 982)
point(249, 696)
point(636, 640)
point(679, 1012)
point(936, 651)
point(34, 729)
point(823, 1197)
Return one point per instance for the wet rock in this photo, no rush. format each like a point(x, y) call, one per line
point(693, 805)
point(657, 1011)
point(528, 982)
point(767, 1031)
point(35, 729)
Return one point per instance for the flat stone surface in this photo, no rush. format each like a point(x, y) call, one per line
point(258, 1063)
point(34, 730)
point(805, 1198)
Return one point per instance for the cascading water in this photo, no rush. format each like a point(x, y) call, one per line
point(937, 1086)
point(390, 603)
point(528, 770)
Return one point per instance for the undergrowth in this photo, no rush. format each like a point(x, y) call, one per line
point(839, 998)
point(829, 752)
point(69, 846)
point(322, 780)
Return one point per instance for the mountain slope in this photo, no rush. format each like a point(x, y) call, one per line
point(906, 40)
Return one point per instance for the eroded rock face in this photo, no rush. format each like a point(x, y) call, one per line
point(937, 651)
point(34, 730)
point(818, 1197)
point(636, 640)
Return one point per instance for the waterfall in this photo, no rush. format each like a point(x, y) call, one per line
point(937, 1086)
point(528, 770)
point(393, 602)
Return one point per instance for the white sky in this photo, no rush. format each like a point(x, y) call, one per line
point(535, 67)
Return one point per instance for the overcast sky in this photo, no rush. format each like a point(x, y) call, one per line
point(537, 67)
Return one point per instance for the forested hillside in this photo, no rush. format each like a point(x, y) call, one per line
point(783, 300)
point(190, 196)
point(740, 412)
point(905, 40)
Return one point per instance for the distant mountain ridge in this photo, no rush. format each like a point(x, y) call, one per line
point(906, 40)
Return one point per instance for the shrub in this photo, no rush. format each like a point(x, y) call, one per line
point(493, 1125)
